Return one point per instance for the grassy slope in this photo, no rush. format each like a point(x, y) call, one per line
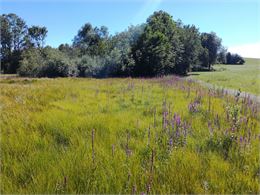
point(245, 77)
point(46, 127)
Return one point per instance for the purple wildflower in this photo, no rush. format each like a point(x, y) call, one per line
point(233, 129)
point(177, 119)
point(171, 142)
point(241, 139)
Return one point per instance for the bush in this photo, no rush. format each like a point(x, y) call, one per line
point(57, 68)
point(234, 59)
point(89, 66)
point(47, 62)
point(113, 63)
point(31, 63)
point(96, 66)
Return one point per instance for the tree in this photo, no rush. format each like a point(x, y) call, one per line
point(158, 48)
point(31, 63)
point(221, 58)
point(6, 38)
point(37, 35)
point(234, 59)
point(13, 32)
point(69, 50)
point(18, 30)
point(190, 38)
point(228, 58)
point(92, 41)
point(90, 66)
point(119, 58)
point(238, 59)
point(212, 43)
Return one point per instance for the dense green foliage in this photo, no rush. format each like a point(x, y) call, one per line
point(13, 32)
point(92, 41)
point(127, 136)
point(161, 46)
point(192, 49)
point(16, 37)
point(36, 36)
point(46, 62)
point(158, 48)
point(211, 44)
point(234, 59)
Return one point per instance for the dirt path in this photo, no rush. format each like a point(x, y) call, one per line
point(229, 91)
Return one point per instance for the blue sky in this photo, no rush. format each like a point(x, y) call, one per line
point(237, 22)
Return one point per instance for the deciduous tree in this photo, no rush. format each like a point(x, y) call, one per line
point(158, 49)
point(13, 32)
point(37, 35)
point(212, 43)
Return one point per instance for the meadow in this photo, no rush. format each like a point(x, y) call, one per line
point(245, 77)
point(129, 136)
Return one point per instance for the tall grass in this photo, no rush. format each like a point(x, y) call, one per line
point(163, 135)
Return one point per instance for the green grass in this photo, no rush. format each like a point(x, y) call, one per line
point(48, 128)
point(245, 77)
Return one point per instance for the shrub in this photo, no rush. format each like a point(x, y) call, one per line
point(47, 62)
point(31, 63)
point(234, 59)
point(113, 63)
point(57, 68)
point(89, 66)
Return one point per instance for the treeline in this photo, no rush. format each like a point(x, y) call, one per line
point(161, 46)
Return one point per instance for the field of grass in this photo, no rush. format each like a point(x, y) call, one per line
point(245, 77)
point(130, 136)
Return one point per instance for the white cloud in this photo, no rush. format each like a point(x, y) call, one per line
point(247, 50)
